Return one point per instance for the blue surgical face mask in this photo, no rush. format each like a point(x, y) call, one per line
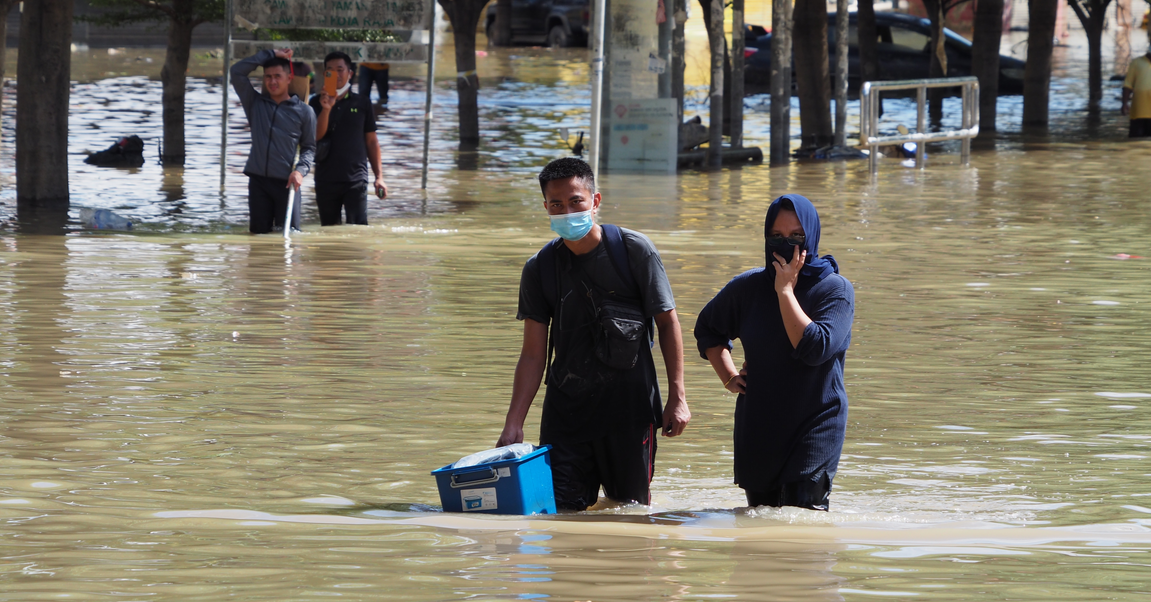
point(572, 226)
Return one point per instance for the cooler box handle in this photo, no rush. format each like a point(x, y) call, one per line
point(482, 476)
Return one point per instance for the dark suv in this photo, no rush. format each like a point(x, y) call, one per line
point(555, 23)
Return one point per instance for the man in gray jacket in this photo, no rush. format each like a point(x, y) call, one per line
point(280, 123)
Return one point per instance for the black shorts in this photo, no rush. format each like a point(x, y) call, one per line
point(621, 461)
point(268, 204)
point(1139, 128)
point(810, 494)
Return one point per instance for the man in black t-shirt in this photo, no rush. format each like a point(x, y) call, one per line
point(346, 125)
point(599, 419)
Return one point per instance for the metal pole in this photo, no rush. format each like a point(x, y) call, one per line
point(597, 33)
point(227, 83)
point(965, 146)
point(431, 84)
point(920, 103)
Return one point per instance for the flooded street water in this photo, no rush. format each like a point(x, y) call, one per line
point(192, 413)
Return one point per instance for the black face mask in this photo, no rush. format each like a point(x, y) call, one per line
point(785, 247)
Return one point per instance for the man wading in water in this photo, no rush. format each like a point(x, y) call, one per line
point(601, 289)
point(280, 123)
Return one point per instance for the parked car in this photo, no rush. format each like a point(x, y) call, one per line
point(555, 23)
point(904, 52)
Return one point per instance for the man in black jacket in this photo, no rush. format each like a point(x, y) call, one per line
point(346, 126)
point(280, 123)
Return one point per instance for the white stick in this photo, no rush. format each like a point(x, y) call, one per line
point(288, 216)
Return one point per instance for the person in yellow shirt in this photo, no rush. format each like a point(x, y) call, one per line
point(1137, 96)
point(374, 72)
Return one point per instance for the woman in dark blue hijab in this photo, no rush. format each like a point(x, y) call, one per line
point(793, 319)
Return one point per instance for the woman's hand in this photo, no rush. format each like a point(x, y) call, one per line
point(787, 273)
point(737, 383)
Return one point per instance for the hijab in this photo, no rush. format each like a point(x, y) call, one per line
point(816, 267)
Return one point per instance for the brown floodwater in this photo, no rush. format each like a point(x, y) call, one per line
point(188, 412)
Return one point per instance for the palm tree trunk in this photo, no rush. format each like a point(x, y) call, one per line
point(1037, 78)
point(811, 73)
point(985, 59)
point(173, 79)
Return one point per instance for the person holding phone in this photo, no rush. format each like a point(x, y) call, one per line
point(793, 318)
point(347, 147)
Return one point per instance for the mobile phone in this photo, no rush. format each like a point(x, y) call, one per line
point(380, 191)
point(330, 84)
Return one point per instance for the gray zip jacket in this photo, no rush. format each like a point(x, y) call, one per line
point(277, 129)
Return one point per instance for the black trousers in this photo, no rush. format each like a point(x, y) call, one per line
point(349, 197)
point(813, 495)
point(1139, 128)
point(267, 204)
point(380, 76)
point(622, 461)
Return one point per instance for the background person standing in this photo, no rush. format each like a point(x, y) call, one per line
point(378, 73)
point(1137, 97)
point(280, 124)
point(346, 131)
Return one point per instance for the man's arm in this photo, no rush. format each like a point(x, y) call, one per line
point(529, 374)
point(676, 415)
point(373, 143)
point(323, 113)
point(1125, 107)
point(239, 76)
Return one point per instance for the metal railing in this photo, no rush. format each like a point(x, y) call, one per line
point(869, 117)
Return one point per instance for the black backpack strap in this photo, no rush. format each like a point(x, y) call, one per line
point(550, 283)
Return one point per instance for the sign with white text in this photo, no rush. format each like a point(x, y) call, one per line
point(316, 51)
point(333, 14)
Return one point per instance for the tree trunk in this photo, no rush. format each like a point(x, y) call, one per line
point(1122, 35)
point(43, 80)
point(464, 16)
point(868, 47)
point(868, 42)
point(715, 121)
point(841, 20)
point(1094, 30)
point(781, 42)
point(503, 23)
point(172, 77)
point(811, 73)
point(727, 78)
point(985, 59)
point(938, 59)
point(1037, 77)
point(5, 8)
point(738, 43)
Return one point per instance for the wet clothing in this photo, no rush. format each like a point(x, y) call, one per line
point(1139, 82)
point(790, 424)
point(267, 204)
point(336, 199)
point(813, 495)
point(1139, 128)
point(622, 461)
point(374, 72)
point(585, 400)
point(278, 129)
point(347, 161)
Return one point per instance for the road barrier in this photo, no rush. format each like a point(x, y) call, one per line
point(869, 117)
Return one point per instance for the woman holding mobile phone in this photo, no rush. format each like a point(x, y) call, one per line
point(793, 318)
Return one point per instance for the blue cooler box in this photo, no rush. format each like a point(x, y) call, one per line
point(519, 486)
